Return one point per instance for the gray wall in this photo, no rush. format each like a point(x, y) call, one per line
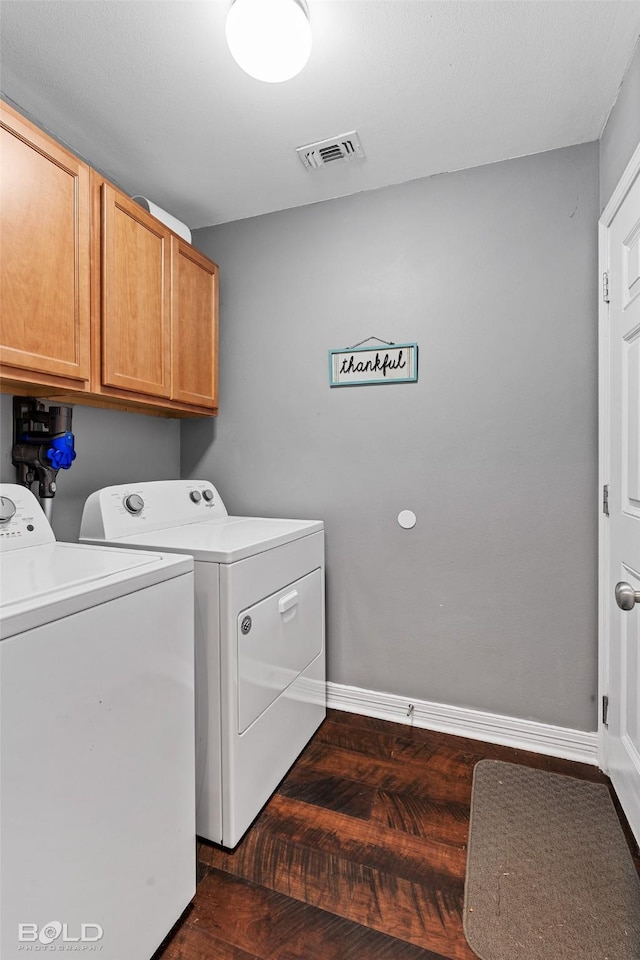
point(621, 134)
point(490, 601)
point(112, 447)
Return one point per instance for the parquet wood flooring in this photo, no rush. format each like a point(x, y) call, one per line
point(359, 855)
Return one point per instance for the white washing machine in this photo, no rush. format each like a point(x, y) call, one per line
point(260, 653)
point(97, 805)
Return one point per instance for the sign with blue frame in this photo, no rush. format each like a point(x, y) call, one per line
point(359, 366)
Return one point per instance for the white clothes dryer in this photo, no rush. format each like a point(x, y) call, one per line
point(97, 805)
point(260, 650)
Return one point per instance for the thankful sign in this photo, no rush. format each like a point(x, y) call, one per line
point(393, 363)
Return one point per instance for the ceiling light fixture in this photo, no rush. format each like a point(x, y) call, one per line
point(269, 39)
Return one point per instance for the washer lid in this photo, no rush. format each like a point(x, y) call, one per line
point(53, 580)
point(225, 539)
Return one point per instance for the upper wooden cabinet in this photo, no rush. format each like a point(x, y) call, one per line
point(98, 297)
point(158, 300)
point(194, 326)
point(136, 301)
point(44, 256)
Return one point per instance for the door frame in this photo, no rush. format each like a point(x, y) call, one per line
point(605, 598)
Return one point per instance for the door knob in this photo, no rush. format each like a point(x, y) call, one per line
point(626, 596)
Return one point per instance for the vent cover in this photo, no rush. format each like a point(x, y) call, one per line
point(345, 147)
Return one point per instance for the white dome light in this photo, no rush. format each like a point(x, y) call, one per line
point(269, 39)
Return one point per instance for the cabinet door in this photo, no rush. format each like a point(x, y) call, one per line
point(44, 253)
point(194, 326)
point(135, 297)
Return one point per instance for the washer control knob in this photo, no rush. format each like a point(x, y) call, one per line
point(195, 496)
point(134, 503)
point(7, 509)
point(208, 495)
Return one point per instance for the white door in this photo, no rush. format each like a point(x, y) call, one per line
point(620, 464)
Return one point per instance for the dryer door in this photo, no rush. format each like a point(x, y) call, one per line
point(277, 639)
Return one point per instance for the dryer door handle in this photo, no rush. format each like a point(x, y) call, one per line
point(288, 601)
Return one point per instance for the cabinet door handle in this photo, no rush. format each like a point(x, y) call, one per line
point(288, 601)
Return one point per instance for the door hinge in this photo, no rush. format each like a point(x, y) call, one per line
point(605, 710)
point(605, 286)
point(605, 499)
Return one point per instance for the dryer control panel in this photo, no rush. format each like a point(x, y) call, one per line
point(22, 520)
point(132, 508)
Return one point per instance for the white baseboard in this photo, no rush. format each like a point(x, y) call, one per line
point(462, 722)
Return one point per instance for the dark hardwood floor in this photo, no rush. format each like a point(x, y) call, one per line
point(359, 855)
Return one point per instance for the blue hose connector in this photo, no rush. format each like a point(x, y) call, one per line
point(61, 452)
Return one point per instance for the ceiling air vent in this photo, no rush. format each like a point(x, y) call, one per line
point(345, 147)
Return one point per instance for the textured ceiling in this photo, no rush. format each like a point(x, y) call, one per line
point(148, 93)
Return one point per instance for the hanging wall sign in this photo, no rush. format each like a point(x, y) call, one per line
point(391, 363)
